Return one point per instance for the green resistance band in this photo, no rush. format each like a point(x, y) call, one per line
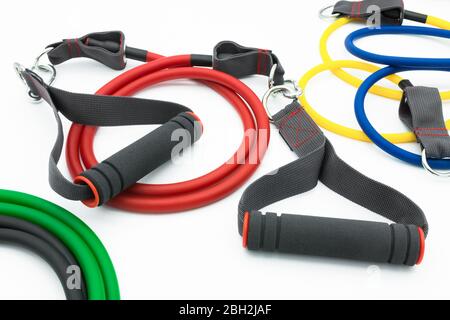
point(95, 264)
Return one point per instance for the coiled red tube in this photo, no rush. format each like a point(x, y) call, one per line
point(182, 196)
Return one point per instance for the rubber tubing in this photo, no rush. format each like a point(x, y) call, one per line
point(198, 192)
point(92, 257)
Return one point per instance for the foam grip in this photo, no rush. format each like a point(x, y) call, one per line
point(128, 166)
point(337, 238)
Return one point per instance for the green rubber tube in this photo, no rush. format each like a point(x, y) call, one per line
point(97, 267)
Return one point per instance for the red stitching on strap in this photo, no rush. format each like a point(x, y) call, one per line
point(258, 63)
point(77, 45)
point(313, 132)
point(69, 48)
point(266, 61)
point(431, 134)
point(428, 132)
point(431, 129)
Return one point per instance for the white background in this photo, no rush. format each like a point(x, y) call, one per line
point(198, 254)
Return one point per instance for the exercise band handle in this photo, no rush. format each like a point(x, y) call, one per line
point(338, 238)
point(122, 170)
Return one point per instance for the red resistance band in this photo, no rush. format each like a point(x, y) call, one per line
point(214, 186)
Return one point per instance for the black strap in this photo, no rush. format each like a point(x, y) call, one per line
point(240, 61)
point(319, 162)
point(107, 48)
point(391, 11)
point(94, 110)
point(421, 111)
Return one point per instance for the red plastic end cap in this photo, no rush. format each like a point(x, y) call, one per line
point(91, 203)
point(197, 119)
point(245, 230)
point(422, 246)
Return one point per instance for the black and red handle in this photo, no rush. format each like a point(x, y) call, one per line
point(337, 238)
point(122, 170)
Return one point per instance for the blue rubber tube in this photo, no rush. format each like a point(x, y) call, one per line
point(396, 64)
point(376, 137)
point(407, 62)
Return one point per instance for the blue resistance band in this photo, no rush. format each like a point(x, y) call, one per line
point(429, 63)
point(396, 64)
point(376, 137)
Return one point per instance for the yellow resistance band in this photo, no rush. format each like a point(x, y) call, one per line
point(340, 129)
point(335, 67)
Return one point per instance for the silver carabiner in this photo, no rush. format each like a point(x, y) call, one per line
point(49, 68)
point(331, 16)
point(38, 68)
point(287, 93)
point(289, 89)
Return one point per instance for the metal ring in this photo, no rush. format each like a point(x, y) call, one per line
point(331, 16)
point(39, 57)
point(36, 68)
point(49, 68)
point(287, 91)
point(34, 97)
point(426, 165)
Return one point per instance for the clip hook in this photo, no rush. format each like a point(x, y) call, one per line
point(37, 68)
point(289, 89)
point(331, 16)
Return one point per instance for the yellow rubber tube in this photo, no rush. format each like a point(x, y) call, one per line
point(438, 23)
point(336, 68)
point(329, 125)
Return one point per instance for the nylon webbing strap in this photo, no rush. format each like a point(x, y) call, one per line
point(319, 162)
point(421, 111)
point(94, 110)
point(391, 11)
point(240, 61)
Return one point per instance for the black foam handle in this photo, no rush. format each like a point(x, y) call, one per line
point(128, 166)
point(337, 238)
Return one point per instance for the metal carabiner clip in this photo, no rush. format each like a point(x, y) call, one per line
point(331, 16)
point(289, 89)
point(37, 68)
